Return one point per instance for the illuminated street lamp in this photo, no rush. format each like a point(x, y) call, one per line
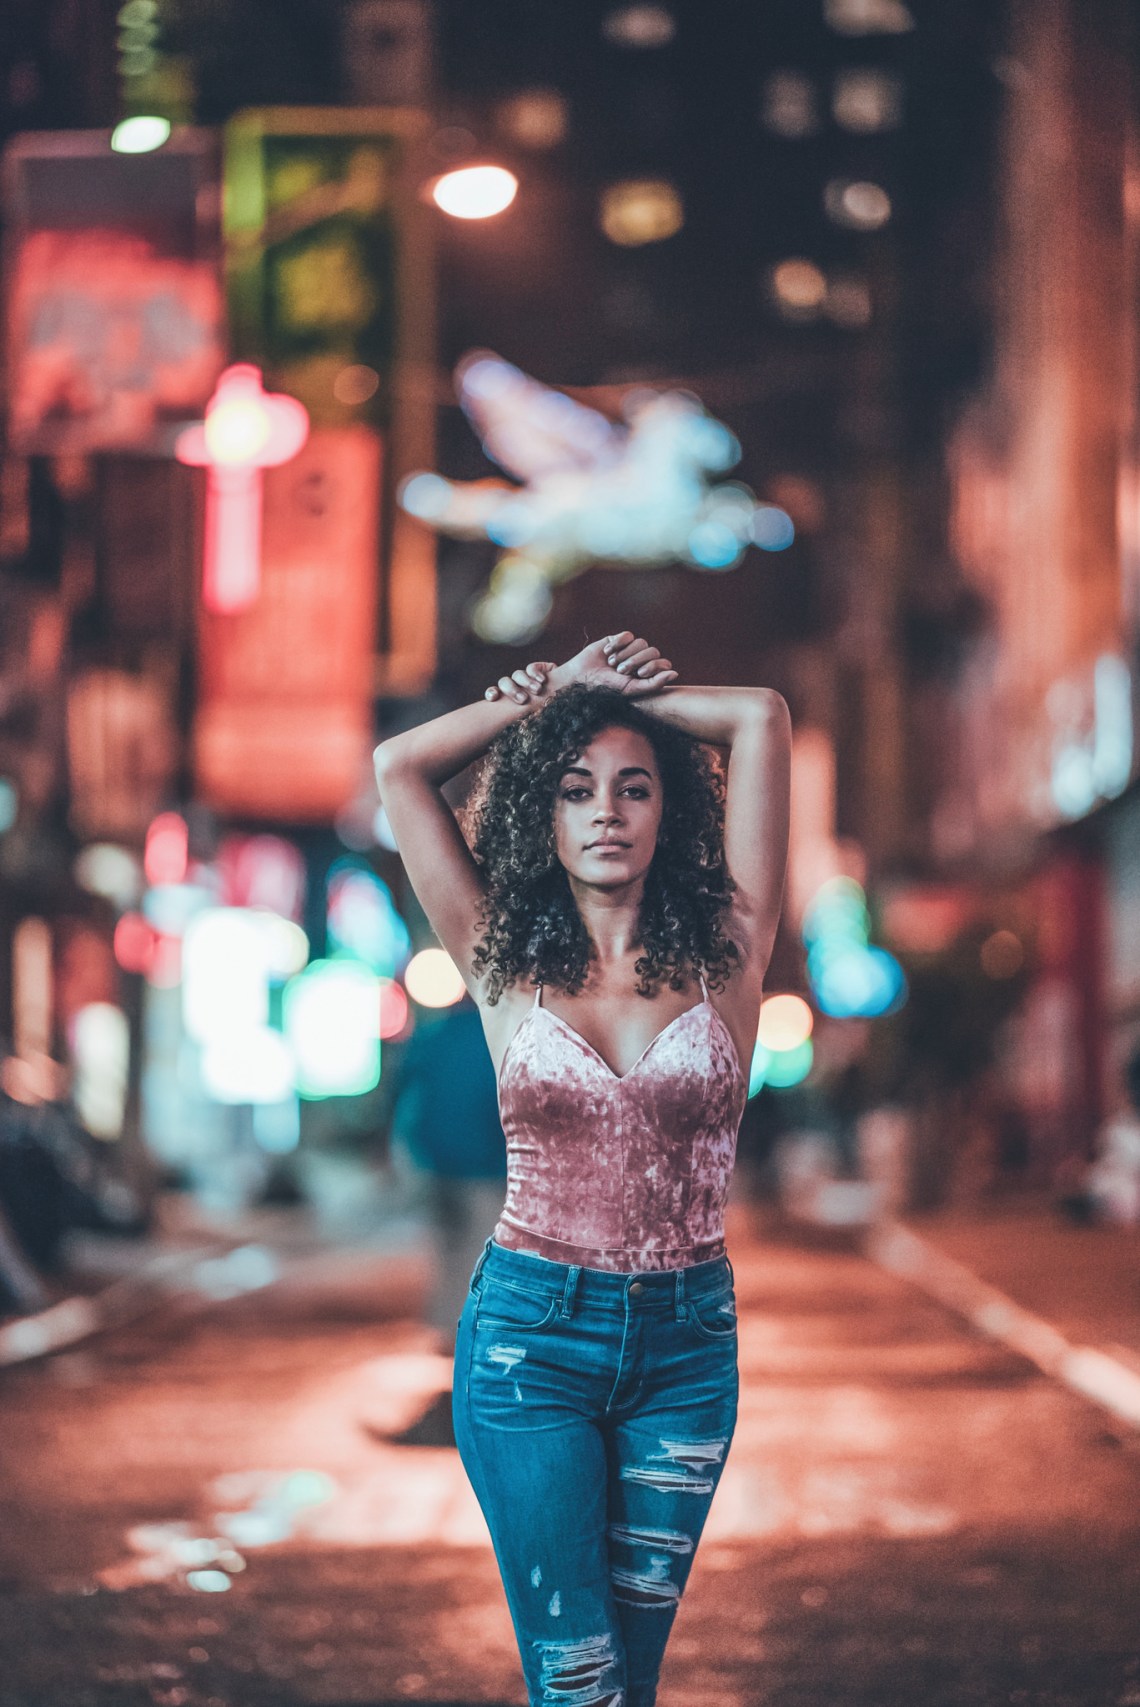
point(475, 192)
point(245, 431)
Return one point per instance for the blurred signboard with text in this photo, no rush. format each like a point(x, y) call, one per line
point(330, 286)
point(114, 311)
point(283, 729)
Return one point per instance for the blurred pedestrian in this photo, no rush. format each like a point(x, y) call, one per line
point(596, 1380)
point(1111, 1189)
point(446, 1117)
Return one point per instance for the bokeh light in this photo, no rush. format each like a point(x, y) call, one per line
point(1002, 954)
point(355, 384)
point(133, 943)
point(225, 991)
point(167, 849)
point(141, 134)
point(535, 118)
point(715, 545)
point(330, 1013)
point(104, 869)
point(639, 27)
point(255, 1066)
point(772, 528)
point(100, 1040)
point(433, 979)
point(363, 919)
point(9, 804)
point(868, 17)
point(641, 210)
point(848, 302)
point(798, 286)
point(785, 1021)
point(858, 203)
point(866, 101)
point(393, 1008)
point(788, 105)
point(475, 192)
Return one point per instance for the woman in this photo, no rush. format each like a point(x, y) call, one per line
point(595, 1369)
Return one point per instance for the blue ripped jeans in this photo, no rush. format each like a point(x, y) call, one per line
point(593, 1414)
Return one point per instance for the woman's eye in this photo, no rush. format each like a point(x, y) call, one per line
point(638, 793)
point(573, 793)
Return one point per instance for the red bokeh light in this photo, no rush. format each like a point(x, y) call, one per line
point(134, 943)
point(167, 849)
point(393, 1008)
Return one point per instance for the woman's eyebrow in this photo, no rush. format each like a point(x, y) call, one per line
point(627, 770)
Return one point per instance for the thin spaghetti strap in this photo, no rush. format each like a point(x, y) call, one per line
point(704, 986)
point(538, 994)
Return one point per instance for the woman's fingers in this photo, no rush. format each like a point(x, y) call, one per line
point(636, 660)
point(615, 645)
point(641, 685)
point(521, 685)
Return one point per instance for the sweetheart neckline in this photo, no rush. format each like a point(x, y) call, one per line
point(618, 1078)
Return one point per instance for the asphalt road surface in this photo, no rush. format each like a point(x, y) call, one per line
point(213, 1508)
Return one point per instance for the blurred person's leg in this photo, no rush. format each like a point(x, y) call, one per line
point(466, 1211)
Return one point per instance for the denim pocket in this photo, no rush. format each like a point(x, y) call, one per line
point(502, 1305)
point(713, 1317)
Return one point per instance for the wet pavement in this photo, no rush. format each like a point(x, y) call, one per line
point(210, 1508)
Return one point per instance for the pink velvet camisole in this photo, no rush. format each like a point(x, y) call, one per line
point(626, 1172)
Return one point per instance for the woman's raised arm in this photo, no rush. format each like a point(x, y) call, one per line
point(410, 770)
point(755, 725)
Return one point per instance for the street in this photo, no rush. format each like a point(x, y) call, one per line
point(209, 1509)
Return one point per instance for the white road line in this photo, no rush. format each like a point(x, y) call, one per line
point(1083, 1369)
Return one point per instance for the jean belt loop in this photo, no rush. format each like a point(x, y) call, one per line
point(731, 1270)
point(679, 1295)
point(568, 1292)
point(483, 1255)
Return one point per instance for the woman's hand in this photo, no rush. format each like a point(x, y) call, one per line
point(624, 661)
point(522, 685)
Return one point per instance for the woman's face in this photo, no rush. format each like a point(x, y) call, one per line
point(608, 810)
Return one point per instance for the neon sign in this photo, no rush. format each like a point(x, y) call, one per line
point(245, 431)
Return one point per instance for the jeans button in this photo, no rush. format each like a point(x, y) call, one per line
point(636, 1286)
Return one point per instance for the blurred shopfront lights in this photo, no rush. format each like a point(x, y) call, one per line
point(475, 192)
point(140, 135)
point(641, 210)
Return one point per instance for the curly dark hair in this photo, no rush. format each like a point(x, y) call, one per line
point(531, 922)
